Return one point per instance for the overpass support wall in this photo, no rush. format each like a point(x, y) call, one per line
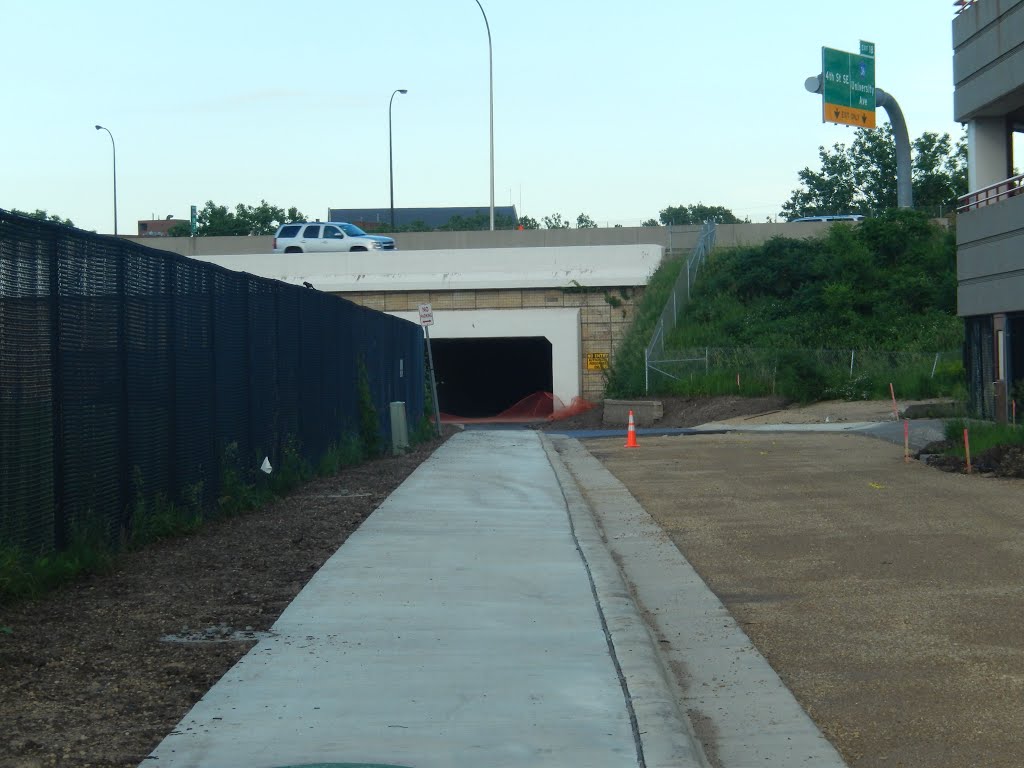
point(600, 318)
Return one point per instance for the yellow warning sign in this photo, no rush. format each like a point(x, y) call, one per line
point(598, 361)
point(836, 113)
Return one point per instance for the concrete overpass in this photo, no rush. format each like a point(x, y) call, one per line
point(509, 322)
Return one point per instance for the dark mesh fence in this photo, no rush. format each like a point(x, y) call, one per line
point(129, 374)
point(979, 362)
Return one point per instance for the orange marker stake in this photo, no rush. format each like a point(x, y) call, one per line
point(906, 441)
point(967, 451)
point(895, 412)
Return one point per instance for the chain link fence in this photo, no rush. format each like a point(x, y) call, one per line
point(805, 373)
point(678, 298)
point(130, 375)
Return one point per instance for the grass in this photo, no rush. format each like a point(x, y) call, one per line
point(983, 435)
point(93, 549)
point(24, 577)
point(756, 312)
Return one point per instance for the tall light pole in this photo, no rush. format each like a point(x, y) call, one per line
point(490, 65)
point(114, 150)
point(391, 162)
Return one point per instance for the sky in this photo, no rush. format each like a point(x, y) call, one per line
point(612, 109)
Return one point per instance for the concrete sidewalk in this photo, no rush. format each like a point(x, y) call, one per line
point(475, 619)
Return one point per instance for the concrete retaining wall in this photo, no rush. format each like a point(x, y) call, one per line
point(674, 238)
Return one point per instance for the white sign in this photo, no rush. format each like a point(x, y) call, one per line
point(426, 314)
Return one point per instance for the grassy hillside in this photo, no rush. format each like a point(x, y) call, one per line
point(787, 317)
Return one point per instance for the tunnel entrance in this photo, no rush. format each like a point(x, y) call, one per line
point(478, 378)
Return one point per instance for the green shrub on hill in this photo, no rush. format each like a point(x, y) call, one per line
point(889, 283)
point(800, 307)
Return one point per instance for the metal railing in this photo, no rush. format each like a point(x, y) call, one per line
point(963, 5)
point(991, 194)
point(678, 299)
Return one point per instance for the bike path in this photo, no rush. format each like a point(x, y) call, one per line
point(474, 619)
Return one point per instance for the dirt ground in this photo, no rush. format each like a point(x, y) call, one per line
point(887, 595)
point(97, 673)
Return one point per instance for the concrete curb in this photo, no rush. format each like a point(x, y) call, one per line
point(744, 713)
point(666, 738)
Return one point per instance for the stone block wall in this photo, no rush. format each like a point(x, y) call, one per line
point(605, 315)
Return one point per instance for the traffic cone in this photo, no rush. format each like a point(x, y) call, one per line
point(631, 433)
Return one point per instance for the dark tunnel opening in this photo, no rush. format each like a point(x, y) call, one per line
point(478, 378)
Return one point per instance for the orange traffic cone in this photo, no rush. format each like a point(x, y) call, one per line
point(631, 433)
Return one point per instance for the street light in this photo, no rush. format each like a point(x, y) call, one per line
point(391, 162)
point(490, 64)
point(114, 150)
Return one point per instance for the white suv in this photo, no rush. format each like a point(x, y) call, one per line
point(327, 236)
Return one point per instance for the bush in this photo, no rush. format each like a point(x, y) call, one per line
point(800, 378)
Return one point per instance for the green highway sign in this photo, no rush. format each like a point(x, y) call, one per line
point(848, 86)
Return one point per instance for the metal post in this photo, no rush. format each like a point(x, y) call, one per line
point(904, 186)
point(647, 371)
point(391, 163)
point(433, 381)
point(935, 364)
point(852, 353)
point(114, 150)
point(490, 65)
point(61, 535)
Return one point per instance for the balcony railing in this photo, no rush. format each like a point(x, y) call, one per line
point(963, 5)
point(991, 194)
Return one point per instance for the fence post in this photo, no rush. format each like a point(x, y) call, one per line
point(215, 468)
point(647, 371)
point(251, 451)
point(172, 375)
point(56, 402)
point(124, 452)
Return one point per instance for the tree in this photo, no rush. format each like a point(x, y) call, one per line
point(650, 223)
point(42, 215)
point(585, 222)
point(213, 220)
point(861, 178)
point(696, 214)
point(554, 221)
point(528, 222)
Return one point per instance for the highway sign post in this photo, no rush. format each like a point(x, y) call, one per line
point(848, 86)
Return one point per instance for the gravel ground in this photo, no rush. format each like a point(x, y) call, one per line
point(887, 595)
point(97, 673)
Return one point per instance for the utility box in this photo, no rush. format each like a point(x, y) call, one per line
point(399, 429)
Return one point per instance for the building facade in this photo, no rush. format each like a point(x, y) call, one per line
point(988, 73)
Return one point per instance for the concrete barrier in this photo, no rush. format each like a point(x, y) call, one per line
point(646, 413)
